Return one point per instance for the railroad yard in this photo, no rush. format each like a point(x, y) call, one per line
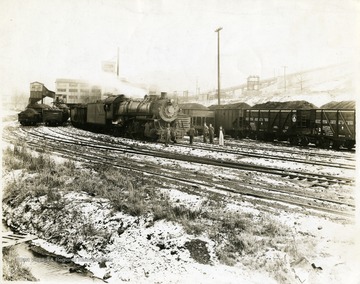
point(138, 212)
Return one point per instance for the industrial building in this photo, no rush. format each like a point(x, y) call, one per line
point(73, 91)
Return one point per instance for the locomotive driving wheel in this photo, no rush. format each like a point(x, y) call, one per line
point(304, 141)
point(294, 140)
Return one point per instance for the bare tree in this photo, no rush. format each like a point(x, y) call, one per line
point(19, 100)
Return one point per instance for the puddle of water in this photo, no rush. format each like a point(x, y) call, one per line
point(46, 269)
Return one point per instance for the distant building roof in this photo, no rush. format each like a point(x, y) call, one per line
point(63, 80)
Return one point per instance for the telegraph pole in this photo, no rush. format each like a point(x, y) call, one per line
point(285, 77)
point(218, 59)
point(117, 63)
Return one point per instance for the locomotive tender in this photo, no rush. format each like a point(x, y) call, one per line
point(145, 118)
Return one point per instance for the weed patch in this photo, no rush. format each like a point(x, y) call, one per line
point(238, 237)
point(13, 268)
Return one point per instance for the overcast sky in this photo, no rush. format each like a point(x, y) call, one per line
point(172, 44)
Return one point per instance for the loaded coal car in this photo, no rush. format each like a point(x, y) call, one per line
point(53, 116)
point(291, 125)
point(60, 105)
point(301, 123)
point(282, 121)
point(36, 112)
point(334, 128)
point(29, 116)
point(199, 114)
point(231, 118)
point(33, 114)
point(336, 125)
point(56, 115)
point(146, 118)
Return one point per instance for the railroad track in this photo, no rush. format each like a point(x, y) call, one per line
point(42, 141)
point(279, 156)
point(291, 174)
point(349, 155)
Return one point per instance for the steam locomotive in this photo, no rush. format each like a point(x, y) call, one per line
point(146, 118)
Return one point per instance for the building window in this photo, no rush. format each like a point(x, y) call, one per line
point(73, 84)
point(61, 90)
point(73, 90)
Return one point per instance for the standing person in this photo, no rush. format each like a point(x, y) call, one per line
point(192, 133)
point(147, 130)
point(205, 132)
point(211, 134)
point(167, 135)
point(221, 137)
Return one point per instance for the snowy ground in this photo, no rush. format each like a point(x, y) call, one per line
point(139, 250)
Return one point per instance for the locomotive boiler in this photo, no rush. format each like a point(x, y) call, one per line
point(145, 118)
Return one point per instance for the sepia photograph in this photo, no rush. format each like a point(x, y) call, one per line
point(180, 141)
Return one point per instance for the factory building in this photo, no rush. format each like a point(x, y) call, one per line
point(73, 91)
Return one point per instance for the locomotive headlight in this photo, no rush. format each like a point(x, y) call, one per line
point(170, 110)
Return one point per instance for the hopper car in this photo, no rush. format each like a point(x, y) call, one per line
point(36, 112)
point(325, 128)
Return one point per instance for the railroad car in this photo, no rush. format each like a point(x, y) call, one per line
point(323, 127)
point(199, 115)
point(32, 115)
point(333, 127)
point(36, 113)
point(52, 117)
point(231, 118)
point(145, 118)
point(278, 124)
point(59, 104)
point(29, 117)
point(297, 122)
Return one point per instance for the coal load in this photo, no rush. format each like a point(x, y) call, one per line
point(340, 105)
point(285, 105)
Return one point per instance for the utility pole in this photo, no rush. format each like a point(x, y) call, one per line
point(285, 77)
point(117, 63)
point(197, 88)
point(300, 80)
point(218, 59)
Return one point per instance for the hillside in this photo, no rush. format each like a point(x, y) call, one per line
point(317, 86)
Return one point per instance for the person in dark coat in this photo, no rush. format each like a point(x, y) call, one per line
point(192, 133)
point(167, 135)
point(211, 133)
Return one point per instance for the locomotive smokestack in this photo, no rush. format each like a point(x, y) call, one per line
point(163, 95)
